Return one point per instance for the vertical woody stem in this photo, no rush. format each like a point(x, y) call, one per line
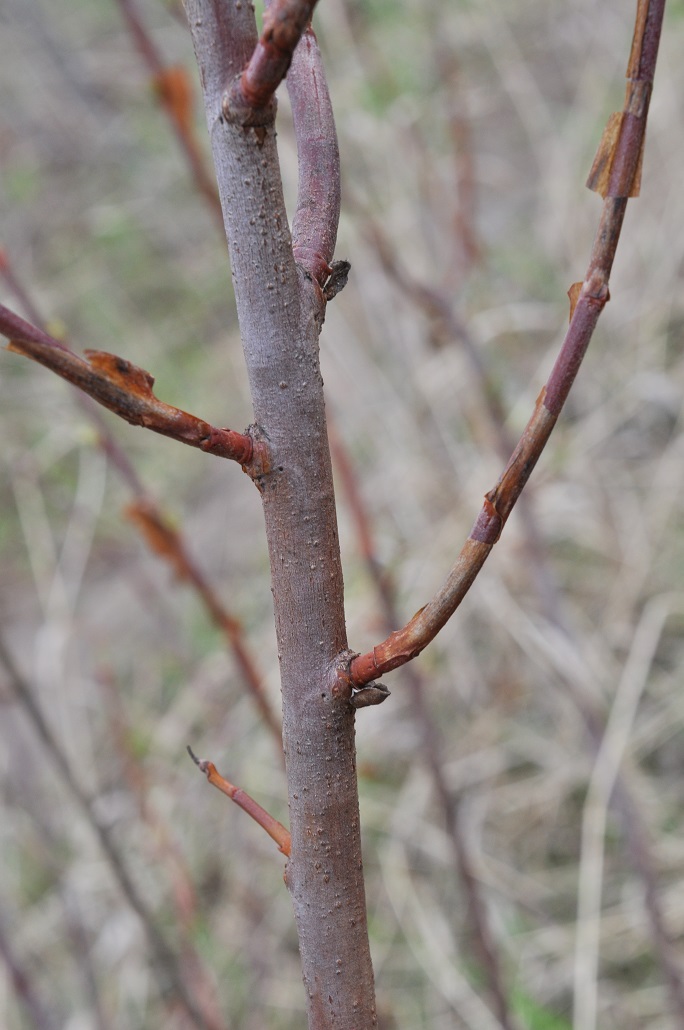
point(280, 312)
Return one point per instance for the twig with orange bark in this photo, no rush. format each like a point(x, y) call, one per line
point(125, 389)
point(431, 743)
point(274, 829)
point(164, 539)
point(164, 851)
point(615, 175)
point(284, 23)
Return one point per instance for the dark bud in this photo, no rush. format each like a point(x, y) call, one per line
point(336, 281)
point(371, 694)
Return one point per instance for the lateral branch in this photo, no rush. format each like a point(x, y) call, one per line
point(124, 388)
point(284, 23)
point(274, 829)
point(615, 174)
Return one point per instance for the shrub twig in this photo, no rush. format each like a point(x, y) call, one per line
point(620, 153)
point(274, 829)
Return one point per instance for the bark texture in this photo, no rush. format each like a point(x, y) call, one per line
point(280, 310)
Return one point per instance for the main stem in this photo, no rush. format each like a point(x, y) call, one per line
point(280, 313)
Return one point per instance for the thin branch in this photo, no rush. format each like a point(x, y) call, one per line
point(314, 226)
point(284, 23)
point(622, 156)
point(431, 742)
point(173, 88)
point(165, 540)
point(165, 957)
point(274, 829)
point(123, 388)
point(436, 306)
point(22, 982)
point(439, 308)
point(164, 850)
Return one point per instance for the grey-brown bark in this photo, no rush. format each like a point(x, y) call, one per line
point(280, 311)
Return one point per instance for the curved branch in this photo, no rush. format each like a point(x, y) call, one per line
point(314, 227)
point(124, 388)
point(615, 174)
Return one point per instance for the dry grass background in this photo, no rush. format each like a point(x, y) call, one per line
point(100, 219)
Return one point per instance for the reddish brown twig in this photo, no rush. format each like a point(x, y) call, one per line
point(431, 743)
point(166, 541)
point(620, 153)
point(123, 388)
point(314, 226)
point(439, 308)
point(274, 829)
point(284, 23)
point(173, 87)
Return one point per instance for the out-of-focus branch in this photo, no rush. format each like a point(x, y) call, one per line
point(172, 86)
point(619, 153)
point(274, 829)
point(314, 226)
point(123, 388)
point(284, 23)
point(164, 850)
point(22, 983)
point(164, 956)
point(165, 541)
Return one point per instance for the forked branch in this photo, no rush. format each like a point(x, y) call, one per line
point(125, 389)
point(615, 174)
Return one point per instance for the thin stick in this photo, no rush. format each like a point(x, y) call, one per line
point(274, 829)
point(284, 23)
point(431, 742)
point(164, 539)
point(437, 306)
point(165, 957)
point(124, 388)
point(620, 153)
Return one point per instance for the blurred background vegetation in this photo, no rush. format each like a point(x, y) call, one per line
point(466, 132)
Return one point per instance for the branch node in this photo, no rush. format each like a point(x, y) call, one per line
point(237, 109)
